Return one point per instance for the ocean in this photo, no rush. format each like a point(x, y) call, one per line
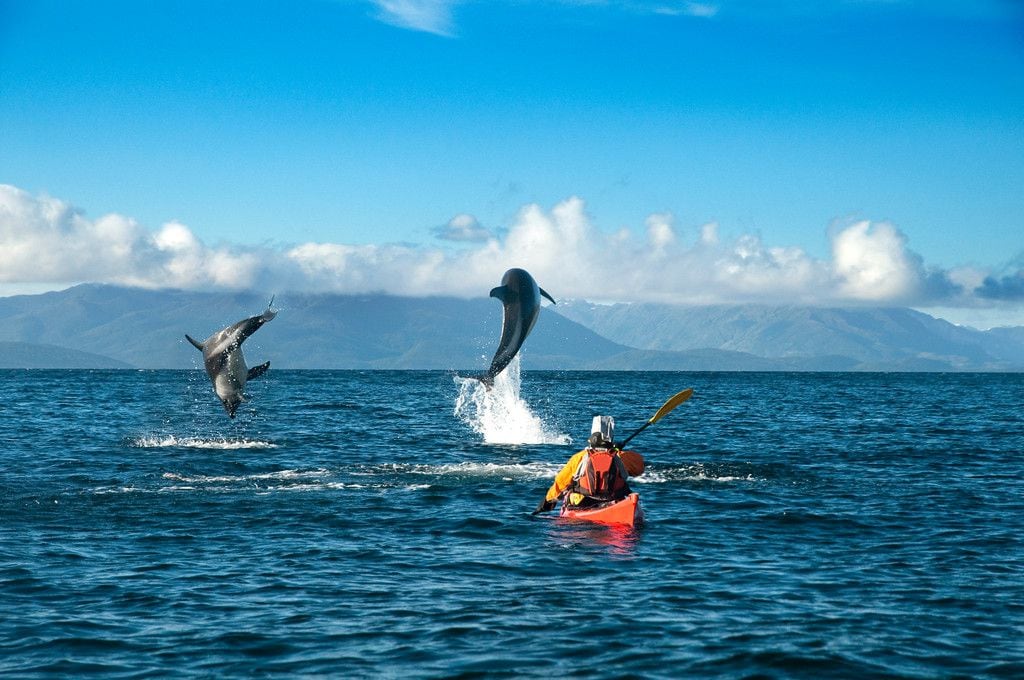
point(377, 524)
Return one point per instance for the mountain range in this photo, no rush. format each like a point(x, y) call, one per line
point(99, 326)
point(871, 337)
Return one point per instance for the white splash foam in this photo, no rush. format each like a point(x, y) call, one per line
point(509, 471)
point(215, 479)
point(262, 484)
point(155, 442)
point(499, 414)
point(697, 473)
point(106, 490)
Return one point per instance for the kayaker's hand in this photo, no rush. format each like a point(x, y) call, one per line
point(544, 506)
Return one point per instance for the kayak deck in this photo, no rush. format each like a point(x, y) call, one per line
point(627, 511)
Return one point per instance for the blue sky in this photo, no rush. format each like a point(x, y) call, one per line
point(871, 149)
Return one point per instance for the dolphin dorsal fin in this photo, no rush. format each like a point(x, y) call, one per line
point(501, 292)
point(195, 343)
point(545, 294)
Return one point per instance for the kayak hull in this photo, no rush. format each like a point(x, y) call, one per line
point(627, 512)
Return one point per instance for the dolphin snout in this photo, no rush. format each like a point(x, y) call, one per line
point(231, 405)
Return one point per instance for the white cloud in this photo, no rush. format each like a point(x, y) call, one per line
point(44, 241)
point(703, 10)
point(175, 237)
point(660, 233)
point(429, 16)
point(435, 16)
point(872, 263)
point(709, 234)
point(464, 228)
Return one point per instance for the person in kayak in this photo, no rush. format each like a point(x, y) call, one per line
point(597, 474)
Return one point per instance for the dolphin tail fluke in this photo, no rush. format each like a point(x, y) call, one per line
point(270, 313)
point(545, 294)
point(257, 371)
point(195, 343)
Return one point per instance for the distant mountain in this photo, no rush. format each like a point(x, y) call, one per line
point(93, 324)
point(27, 355)
point(1009, 339)
point(869, 338)
point(146, 329)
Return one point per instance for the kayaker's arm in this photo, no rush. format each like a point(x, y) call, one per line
point(564, 477)
point(633, 462)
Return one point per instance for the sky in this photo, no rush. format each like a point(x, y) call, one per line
point(852, 152)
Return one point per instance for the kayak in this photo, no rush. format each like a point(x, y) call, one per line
point(627, 511)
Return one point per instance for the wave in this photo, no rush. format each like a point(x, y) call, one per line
point(390, 477)
point(156, 442)
point(319, 479)
point(259, 490)
point(693, 473)
point(507, 471)
point(262, 476)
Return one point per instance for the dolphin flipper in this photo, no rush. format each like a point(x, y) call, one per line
point(502, 293)
point(195, 343)
point(257, 371)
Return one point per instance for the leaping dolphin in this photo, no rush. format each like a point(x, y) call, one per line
point(222, 356)
point(520, 297)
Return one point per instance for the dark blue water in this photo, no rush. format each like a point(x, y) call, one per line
point(349, 524)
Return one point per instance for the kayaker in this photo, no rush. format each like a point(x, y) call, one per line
point(598, 473)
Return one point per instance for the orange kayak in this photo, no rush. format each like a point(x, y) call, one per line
point(627, 511)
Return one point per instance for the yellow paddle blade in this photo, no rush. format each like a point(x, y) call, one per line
point(674, 401)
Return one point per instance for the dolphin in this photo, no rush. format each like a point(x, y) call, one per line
point(222, 356)
point(520, 297)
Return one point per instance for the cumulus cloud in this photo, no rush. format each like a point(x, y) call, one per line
point(709, 234)
point(872, 262)
point(429, 16)
point(1008, 287)
point(44, 240)
point(660, 233)
point(464, 228)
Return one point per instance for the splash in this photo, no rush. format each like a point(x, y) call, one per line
point(499, 414)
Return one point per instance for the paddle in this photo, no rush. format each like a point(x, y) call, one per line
point(666, 408)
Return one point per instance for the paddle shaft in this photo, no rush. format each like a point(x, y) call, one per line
point(622, 444)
